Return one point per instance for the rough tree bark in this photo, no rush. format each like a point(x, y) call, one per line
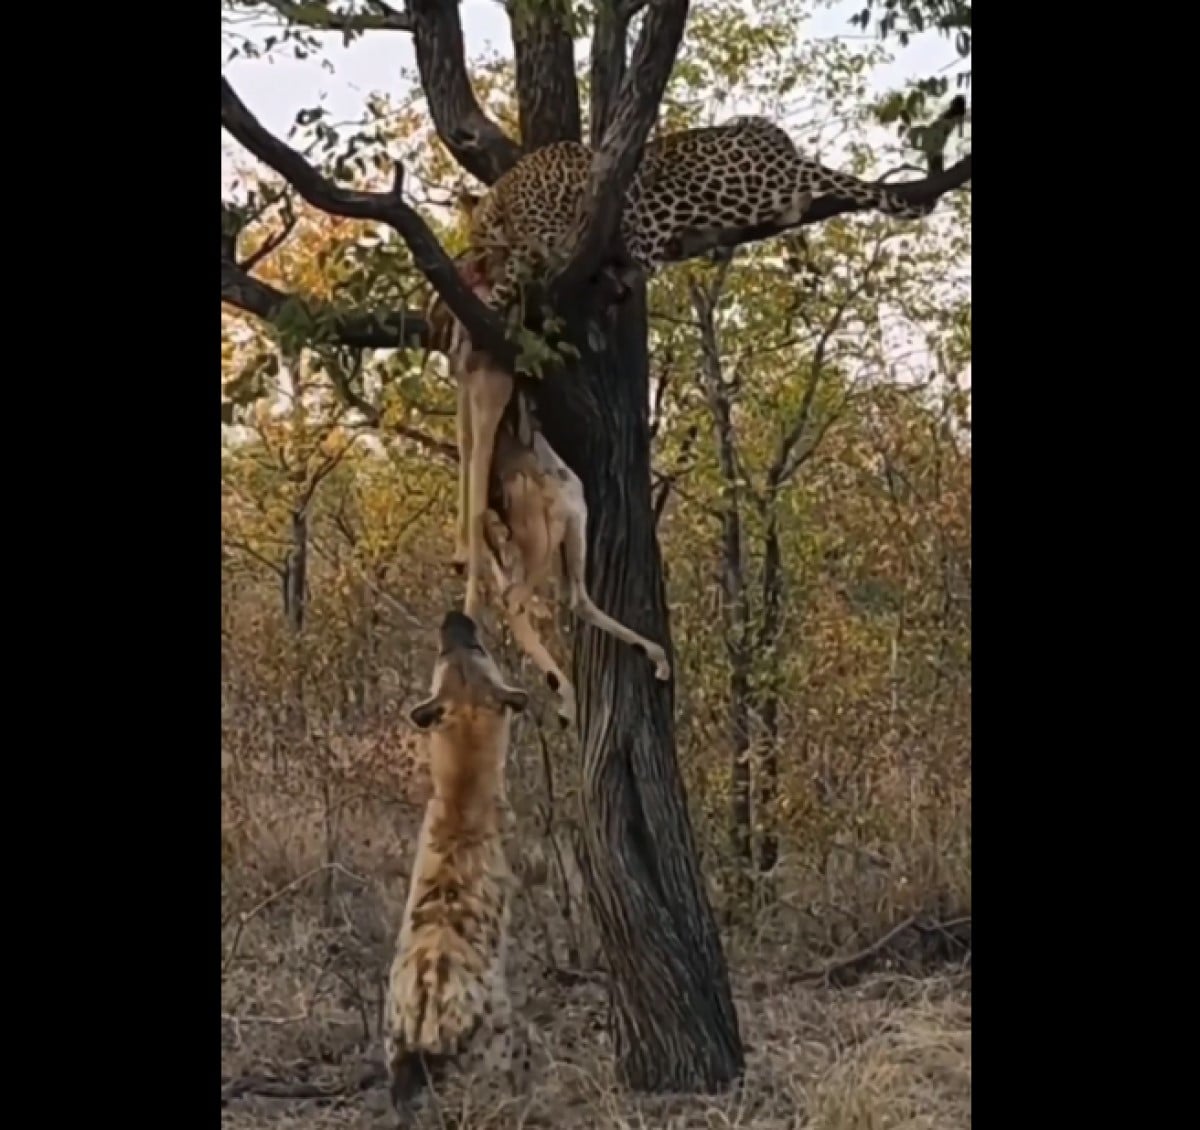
point(295, 571)
point(673, 1021)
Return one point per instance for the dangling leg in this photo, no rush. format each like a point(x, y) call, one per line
point(488, 390)
point(462, 534)
point(516, 596)
point(575, 560)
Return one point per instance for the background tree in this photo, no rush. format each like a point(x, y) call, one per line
point(668, 976)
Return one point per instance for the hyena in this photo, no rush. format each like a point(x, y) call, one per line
point(448, 1004)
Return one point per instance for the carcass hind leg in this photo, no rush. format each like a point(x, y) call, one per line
point(575, 560)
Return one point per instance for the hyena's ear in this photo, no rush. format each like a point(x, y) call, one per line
point(428, 714)
point(515, 699)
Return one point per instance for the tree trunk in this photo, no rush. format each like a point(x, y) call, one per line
point(295, 593)
point(673, 1022)
point(735, 601)
point(295, 576)
point(735, 598)
point(772, 631)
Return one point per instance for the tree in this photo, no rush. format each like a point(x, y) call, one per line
point(673, 1022)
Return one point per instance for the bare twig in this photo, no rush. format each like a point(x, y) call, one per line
point(668, 479)
point(408, 617)
point(346, 393)
point(250, 551)
point(273, 242)
point(830, 968)
point(246, 916)
point(790, 457)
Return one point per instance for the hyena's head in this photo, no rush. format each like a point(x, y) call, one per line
point(467, 687)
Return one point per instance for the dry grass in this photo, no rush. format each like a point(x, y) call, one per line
point(317, 838)
point(892, 1053)
point(301, 1004)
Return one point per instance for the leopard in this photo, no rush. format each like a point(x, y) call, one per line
point(740, 174)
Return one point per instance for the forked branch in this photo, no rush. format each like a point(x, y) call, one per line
point(619, 152)
point(477, 142)
point(388, 207)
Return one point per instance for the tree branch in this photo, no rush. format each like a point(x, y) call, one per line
point(382, 17)
point(251, 552)
point(432, 444)
point(547, 89)
point(406, 328)
point(484, 326)
point(607, 64)
point(351, 399)
point(684, 464)
point(273, 242)
point(479, 145)
point(326, 467)
point(692, 244)
point(346, 393)
point(618, 154)
point(788, 459)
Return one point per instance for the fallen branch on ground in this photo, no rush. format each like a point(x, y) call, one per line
point(886, 946)
point(264, 1086)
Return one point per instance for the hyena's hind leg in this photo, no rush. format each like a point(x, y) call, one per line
point(520, 1070)
point(508, 1051)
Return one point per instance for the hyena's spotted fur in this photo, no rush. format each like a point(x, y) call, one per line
point(449, 1012)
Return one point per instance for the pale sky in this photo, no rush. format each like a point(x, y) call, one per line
point(275, 90)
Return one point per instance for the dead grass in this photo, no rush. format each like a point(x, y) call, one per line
point(314, 879)
point(301, 1004)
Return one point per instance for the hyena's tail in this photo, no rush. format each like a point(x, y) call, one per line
point(823, 181)
point(439, 1007)
point(411, 1072)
